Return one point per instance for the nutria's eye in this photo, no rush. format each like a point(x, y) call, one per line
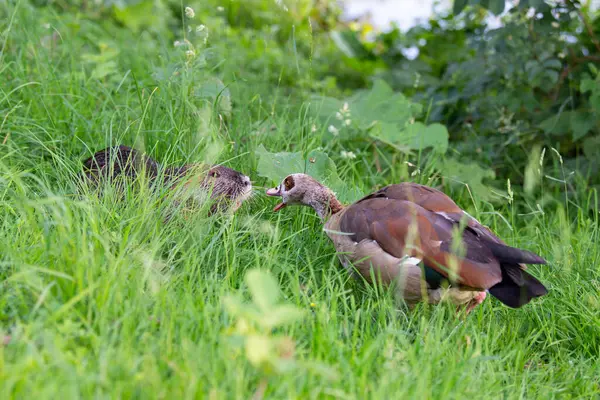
point(288, 183)
point(213, 174)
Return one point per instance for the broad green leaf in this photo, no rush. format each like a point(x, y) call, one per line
point(259, 349)
point(497, 6)
point(553, 63)
point(459, 5)
point(381, 104)
point(537, 4)
point(415, 136)
point(557, 124)
point(368, 108)
point(581, 123)
point(587, 85)
point(263, 288)
point(235, 306)
point(140, 15)
point(276, 166)
point(470, 174)
point(214, 90)
point(281, 315)
point(104, 69)
point(591, 148)
point(578, 122)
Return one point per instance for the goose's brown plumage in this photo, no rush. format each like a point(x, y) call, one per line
point(406, 229)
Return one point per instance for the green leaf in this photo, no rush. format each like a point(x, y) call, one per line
point(553, 63)
point(591, 148)
point(381, 104)
point(470, 174)
point(215, 91)
point(588, 85)
point(415, 136)
point(104, 69)
point(497, 6)
point(536, 3)
point(368, 108)
point(276, 166)
point(578, 122)
point(263, 288)
point(458, 6)
point(281, 315)
point(581, 123)
point(143, 14)
point(259, 349)
point(557, 124)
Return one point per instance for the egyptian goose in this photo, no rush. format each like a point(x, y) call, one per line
point(224, 184)
point(404, 234)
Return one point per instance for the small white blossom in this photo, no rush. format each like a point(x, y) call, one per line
point(313, 128)
point(220, 9)
point(347, 122)
point(555, 24)
point(345, 108)
point(348, 154)
point(200, 28)
point(333, 129)
point(190, 53)
point(177, 43)
point(189, 12)
point(339, 115)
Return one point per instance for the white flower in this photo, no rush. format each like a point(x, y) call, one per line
point(220, 9)
point(313, 128)
point(339, 116)
point(348, 154)
point(555, 24)
point(177, 43)
point(189, 12)
point(200, 28)
point(190, 53)
point(333, 129)
point(345, 108)
point(347, 122)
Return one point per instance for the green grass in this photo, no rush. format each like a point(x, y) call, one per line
point(99, 298)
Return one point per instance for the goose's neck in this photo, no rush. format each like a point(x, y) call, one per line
point(325, 203)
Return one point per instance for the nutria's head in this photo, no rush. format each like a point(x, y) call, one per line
point(227, 187)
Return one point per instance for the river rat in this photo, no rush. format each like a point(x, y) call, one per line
point(225, 185)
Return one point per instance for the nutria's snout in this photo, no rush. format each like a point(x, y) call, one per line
point(230, 184)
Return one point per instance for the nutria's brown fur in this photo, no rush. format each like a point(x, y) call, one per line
point(226, 185)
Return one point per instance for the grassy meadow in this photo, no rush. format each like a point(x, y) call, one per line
point(100, 298)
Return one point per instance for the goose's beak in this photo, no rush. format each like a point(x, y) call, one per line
point(276, 192)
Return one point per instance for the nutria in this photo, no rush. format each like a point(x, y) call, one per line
point(225, 185)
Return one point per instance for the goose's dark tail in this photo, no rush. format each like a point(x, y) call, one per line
point(517, 287)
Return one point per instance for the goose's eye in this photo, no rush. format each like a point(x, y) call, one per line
point(288, 183)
